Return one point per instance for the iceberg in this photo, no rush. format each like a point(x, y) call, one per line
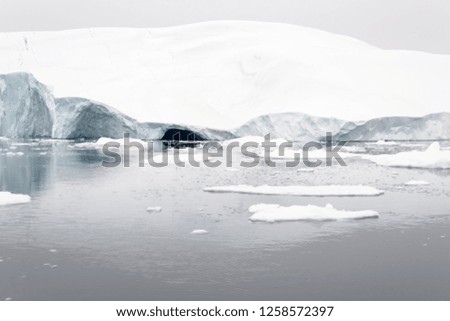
point(223, 73)
point(432, 126)
point(26, 107)
point(7, 198)
point(299, 190)
point(272, 213)
point(433, 157)
point(292, 126)
point(83, 118)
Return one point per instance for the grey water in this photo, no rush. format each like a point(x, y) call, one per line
point(86, 234)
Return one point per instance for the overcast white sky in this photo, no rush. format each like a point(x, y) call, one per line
point(392, 24)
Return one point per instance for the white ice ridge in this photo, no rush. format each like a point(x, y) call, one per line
point(275, 213)
point(299, 190)
point(433, 157)
point(7, 198)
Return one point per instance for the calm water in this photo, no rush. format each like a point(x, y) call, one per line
point(86, 233)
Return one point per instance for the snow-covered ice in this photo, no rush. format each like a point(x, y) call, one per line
point(7, 198)
point(275, 213)
point(299, 190)
point(433, 157)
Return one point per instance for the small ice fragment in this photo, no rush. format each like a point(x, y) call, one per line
point(305, 170)
point(199, 232)
point(154, 209)
point(53, 250)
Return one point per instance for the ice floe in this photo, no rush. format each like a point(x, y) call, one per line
point(7, 198)
point(104, 140)
point(12, 154)
point(199, 232)
point(275, 213)
point(416, 183)
point(433, 157)
point(299, 190)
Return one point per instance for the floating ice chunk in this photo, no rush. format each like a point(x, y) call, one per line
point(3, 139)
point(416, 183)
point(51, 266)
point(199, 232)
point(433, 157)
point(299, 190)
point(275, 213)
point(353, 149)
point(154, 209)
point(7, 198)
point(305, 170)
point(12, 154)
point(53, 250)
